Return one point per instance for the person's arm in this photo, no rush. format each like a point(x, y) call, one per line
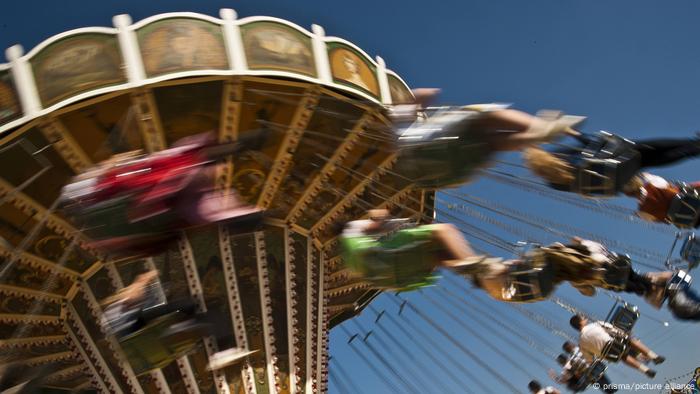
point(425, 96)
point(408, 112)
point(356, 228)
point(137, 290)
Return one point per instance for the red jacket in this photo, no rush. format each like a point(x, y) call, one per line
point(654, 205)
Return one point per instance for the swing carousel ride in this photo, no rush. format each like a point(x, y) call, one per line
point(319, 159)
point(297, 134)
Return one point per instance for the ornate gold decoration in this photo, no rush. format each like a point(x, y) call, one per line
point(288, 145)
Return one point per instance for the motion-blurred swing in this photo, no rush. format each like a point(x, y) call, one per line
point(605, 165)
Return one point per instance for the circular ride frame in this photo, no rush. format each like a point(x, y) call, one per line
point(325, 158)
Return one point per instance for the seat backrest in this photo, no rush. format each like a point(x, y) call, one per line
point(593, 373)
point(625, 317)
point(144, 349)
point(149, 349)
point(616, 349)
point(690, 251)
point(684, 210)
point(444, 151)
point(596, 177)
point(532, 280)
point(680, 280)
point(606, 165)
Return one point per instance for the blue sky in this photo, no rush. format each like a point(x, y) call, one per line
point(630, 66)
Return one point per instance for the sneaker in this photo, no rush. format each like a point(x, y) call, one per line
point(650, 373)
point(659, 359)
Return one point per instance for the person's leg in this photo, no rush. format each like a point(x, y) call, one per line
point(509, 120)
point(637, 345)
point(662, 152)
point(637, 284)
point(515, 130)
point(656, 295)
point(634, 363)
point(451, 239)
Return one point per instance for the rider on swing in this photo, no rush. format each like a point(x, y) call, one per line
point(683, 301)
point(134, 306)
point(448, 147)
point(655, 195)
point(558, 170)
point(395, 254)
point(596, 337)
point(598, 267)
point(135, 204)
point(584, 264)
point(575, 367)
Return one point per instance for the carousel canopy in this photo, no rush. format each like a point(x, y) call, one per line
point(323, 156)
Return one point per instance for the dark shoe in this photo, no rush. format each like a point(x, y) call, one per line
point(650, 373)
point(659, 360)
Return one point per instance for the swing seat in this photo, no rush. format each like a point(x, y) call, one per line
point(402, 259)
point(532, 280)
point(139, 207)
point(684, 211)
point(161, 342)
point(617, 349)
point(625, 317)
point(690, 251)
point(593, 373)
point(443, 151)
point(680, 281)
point(109, 218)
point(606, 165)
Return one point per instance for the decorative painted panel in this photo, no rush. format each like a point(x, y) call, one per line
point(399, 92)
point(9, 104)
point(274, 46)
point(181, 44)
point(349, 67)
point(77, 64)
point(189, 109)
